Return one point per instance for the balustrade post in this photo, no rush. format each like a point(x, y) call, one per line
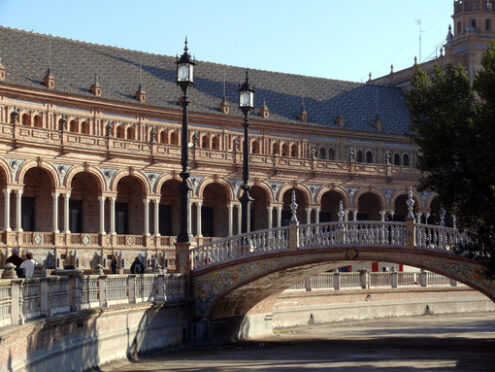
point(160, 294)
point(364, 278)
point(410, 234)
point(394, 279)
point(293, 236)
point(422, 278)
point(307, 285)
point(15, 302)
point(453, 283)
point(131, 286)
point(44, 297)
point(336, 281)
point(102, 287)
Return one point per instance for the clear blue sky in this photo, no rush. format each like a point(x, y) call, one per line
point(338, 39)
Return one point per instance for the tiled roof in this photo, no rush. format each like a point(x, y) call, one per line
point(74, 65)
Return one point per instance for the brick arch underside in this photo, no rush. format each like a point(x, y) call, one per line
point(232, 290)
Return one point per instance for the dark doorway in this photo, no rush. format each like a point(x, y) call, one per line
point(75, 216)
point(286, 216)
point(121, 218)
point(27, 220)
point(325, 216)
point(207, 221)
point(165, 222)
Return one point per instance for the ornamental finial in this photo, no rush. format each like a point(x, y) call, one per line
point(341, 212)
point(293, 207)
point(410, 205)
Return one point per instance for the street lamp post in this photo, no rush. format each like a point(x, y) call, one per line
point(246, 104)
point(185, 79)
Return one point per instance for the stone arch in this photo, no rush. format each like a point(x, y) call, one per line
point(269, 191)
point(338, 189)
point(294, 150)
point(26, 119)
point(373, 190)
point(430, 199)
point(163, 137)
point(50, 168)
point(130, 133)
point(38, 121)
point(225, 184)
point(143, 180)
point(85, 127)
point(255, 147)
point(215, 143)
point(95, 172)
point(284, 149)
point(398, 193)
point(276, 148)
point(259, 215)
point(162, 180)
point(6, 171)
point(74, 126)
point(205, 141)
point(306, 192)
point(214, 210)
point(174, 138)
point(331, 153)
point(119, 131)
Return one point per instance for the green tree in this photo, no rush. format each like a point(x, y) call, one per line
point(453, 123)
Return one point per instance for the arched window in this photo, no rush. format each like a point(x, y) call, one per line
point(323, 153)
point(331, 154)
point(61, 124)
point(174, 138)
point(255, 147)
point(396, 159)
point(119, 132)
point(85, 127)
point(360, 156)
point(205, 142)
point(26, 120)
point(294, 151)
point(214, 143)
point(276, 149)
point(405, 160)
point(37, 121)
point(369, 157)
point(12, 118)
point(74, 126)
point(163, 137)
point(285, 150)
point(130, 133)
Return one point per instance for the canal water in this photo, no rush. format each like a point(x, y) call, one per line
point(464, 342)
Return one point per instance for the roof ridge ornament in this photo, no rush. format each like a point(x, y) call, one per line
point(96, 87)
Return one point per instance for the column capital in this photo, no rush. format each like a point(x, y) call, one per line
point(269, 207)
point(55, 194)
point(66, 195)
point(7, 191)
point(19, 191)
point(102, 198)
point(146, 201)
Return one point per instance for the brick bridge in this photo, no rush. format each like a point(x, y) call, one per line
point(231, 275)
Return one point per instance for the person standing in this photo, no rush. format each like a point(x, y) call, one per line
point(28, 265)
point(137, 267)
point(113, 264)
point(14, 258)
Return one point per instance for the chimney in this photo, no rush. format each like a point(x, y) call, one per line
point(141, 94)
point(96, 87)
point(224, 106)
point(49, 80)
point(265, 111)
point(303, 115)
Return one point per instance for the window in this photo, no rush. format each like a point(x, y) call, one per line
point(130, 133)
point(255, 147)
point(369, 157)
point(293, 151)
point(331, 154)
point(120, 132)
point(405, 160)
point(285, 150)
point(74, 126)
point(205, 142)
point(276, 149)
point(323, 153)
point(26, 120)
point(488, 25)
point(85, 127)
point(12, 118)
point(459, 27)
point(214, 143)
point(360, 156)
point(397, 159)
point(174, 138)
point(37, 121)
point(163, 137)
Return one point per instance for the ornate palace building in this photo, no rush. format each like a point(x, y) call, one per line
point(90, 148)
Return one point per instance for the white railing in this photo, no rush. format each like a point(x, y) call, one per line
point(439, 238)
point(25, 299)
point(250, 244)
point(354, 233)
point(366, 280)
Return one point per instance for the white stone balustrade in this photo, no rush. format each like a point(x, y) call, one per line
point(70, 291)
point(365, 280)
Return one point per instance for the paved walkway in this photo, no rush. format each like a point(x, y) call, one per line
point(428, 343)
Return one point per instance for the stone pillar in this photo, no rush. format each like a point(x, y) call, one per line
point(102, 214)
point(146, 217)
point(454, 221)
point(308, 215)
point(307, 285)
point(346, 215)
point(156, 209)
point(199, 231)
point(270, 216)
point(364, 277)
point(55, 212)
point(66, 213)
point(239, 219)
point(394, 279)
point(336, 281)
point(18, 210)
point(112, 215)
point(410, 234)
point(230, 208)
point(279, 216)
point(293, 236)
point(355, 214)
point(427, 215)
point(317, 215)
point(418, 217)
point(6, 194)
point(422, 278)
point(382, 215)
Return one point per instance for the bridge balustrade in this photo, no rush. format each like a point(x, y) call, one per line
point(439, 238)
point(250, 244)
point(25, 299)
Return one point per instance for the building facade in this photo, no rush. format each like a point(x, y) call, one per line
point(90, 151)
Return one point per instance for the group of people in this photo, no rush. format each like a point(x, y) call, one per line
point(25, 268)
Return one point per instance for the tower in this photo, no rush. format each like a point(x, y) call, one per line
point(474, 28)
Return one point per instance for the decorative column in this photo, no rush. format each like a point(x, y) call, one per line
point(199, 231)
point(355, 214)
point(102, 214)
point(6, 194)
point(66, 213)
point(270, 216)
point(18, 210)
point(382, 215)
point(239, 219)
point(418, 217)
point(279, 216)
point(156, 229)
point(317, 215)
point(146, 217)
point(55, 212)
point(454, 221)
point(346, 215)
point(308, 215)
point(231, 218)
point(112, 215)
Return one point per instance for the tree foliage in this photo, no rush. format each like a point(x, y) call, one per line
point(453, 123)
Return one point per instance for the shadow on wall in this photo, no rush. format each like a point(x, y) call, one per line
point(86, 340)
